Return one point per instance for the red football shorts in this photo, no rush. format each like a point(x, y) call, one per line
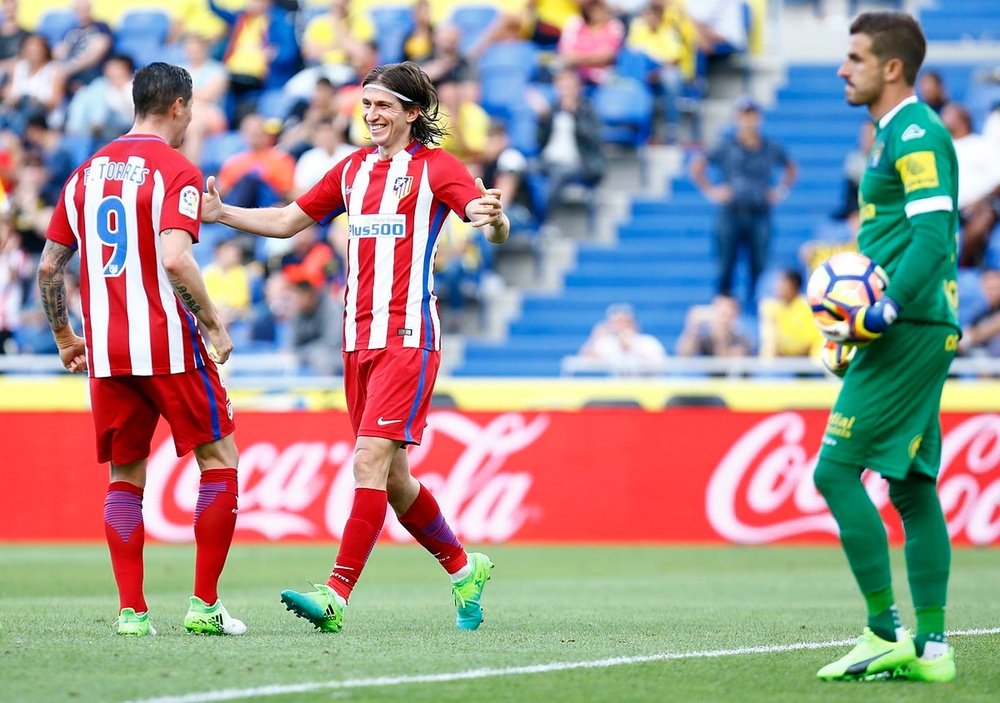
point(389, 391)
point(126, 409)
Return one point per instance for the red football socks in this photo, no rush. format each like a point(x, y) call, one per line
point(425, 522)
point(214, 523)
point(361, 531)
point(125, 534)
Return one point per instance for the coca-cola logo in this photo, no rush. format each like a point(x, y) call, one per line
point(762, 489)
point(305, 488)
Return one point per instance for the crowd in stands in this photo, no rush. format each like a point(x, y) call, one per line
point(532, 92)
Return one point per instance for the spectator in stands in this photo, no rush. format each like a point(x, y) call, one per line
point(55, 157)
point(569, 135)
point(746, 162)
point(12, 36)
point(538, 21)
point(15, 272)
point(446, 63)
point(982, 335)
point(722, 26)
point(854, 166)
point(37, 86)
point(317, 329)
point(323, 106)
point(843, 236)
point(618, 341)
point(330, 36)
point(30, 209)
point(419, 45)
point(932, 90)
point(507, 168)
point(466, 123)
point(590, 42)
point(665, 34)
point(713, 330)
point(103, 108)
point(311, 259)
point(262, 175)
point(459, 267)
point(210, 85)
point(261, 52)
point(227, 280)
point(786, 320)
point(329, 148)
point(84, 48)
point(978, 185)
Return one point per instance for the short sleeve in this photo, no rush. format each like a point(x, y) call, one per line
point(325, 200)
point(182, 202)
point(452, 183)
point(922, 160)
point(59, 229)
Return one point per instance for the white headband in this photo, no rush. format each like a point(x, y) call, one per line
point(390, 91)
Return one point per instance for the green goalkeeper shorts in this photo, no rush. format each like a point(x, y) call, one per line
point(887, 415)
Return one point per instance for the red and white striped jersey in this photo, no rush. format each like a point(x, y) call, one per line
point(395, 209)
point(113, 209)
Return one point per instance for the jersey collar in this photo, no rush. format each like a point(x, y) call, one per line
point(887, 117)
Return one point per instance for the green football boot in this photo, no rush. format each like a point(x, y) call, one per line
point(468, 592)
point(324, 607)
point(132, 624)
point(870, 657)
point(204, 619)
point(937, 670)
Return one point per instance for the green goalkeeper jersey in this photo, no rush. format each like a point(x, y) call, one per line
point(909, 214)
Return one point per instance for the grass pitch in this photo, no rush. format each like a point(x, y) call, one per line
point(545, 605)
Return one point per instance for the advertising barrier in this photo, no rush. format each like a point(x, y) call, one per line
point(594, 475)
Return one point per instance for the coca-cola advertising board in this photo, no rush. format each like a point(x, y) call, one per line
point(596, 475)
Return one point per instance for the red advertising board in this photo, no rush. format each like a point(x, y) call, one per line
point(680, 475)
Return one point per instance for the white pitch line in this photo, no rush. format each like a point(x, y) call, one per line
point(233, 694)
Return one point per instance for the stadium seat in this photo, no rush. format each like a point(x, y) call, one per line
point(55, 24)
point(625, 106)
point(634, 64)
point(151, 25)
point(472, 21)
point(392, 26)
point(510, 58)
point(140, 50)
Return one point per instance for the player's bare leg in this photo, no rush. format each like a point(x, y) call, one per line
point(123, 529)
point(325, 606)
point(420, 514)
point(214, 524)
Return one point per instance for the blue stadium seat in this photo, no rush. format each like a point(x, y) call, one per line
point(151, 25)
point(472, 22)
point(392, 26)
point(634, 64)
point(54, 25)
point(625, 107)
point(510, 58)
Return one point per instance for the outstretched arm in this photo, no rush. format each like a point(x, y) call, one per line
point(189, 286)
point(277, 222)
point(52, 287)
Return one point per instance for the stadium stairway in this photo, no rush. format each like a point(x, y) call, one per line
point(662, 260)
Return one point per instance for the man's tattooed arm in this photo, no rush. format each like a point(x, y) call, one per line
point(51, 283)
point(186, 296)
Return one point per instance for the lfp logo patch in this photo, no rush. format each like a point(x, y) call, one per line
point(188, 203)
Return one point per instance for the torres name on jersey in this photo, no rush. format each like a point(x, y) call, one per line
point(395, 209)
point(113, 209)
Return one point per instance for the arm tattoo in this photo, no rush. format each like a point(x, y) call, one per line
point(186, 296)
point(51, 285)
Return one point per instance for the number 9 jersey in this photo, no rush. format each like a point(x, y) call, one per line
point(113, 209)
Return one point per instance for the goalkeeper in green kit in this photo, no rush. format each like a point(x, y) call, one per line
point(886, 417)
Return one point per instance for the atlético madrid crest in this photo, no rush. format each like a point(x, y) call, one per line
point(402, 185)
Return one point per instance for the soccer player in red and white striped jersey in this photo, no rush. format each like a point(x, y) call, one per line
point(396, 196)
point(132, 211)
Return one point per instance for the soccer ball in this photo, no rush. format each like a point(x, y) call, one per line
point(850, 278)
